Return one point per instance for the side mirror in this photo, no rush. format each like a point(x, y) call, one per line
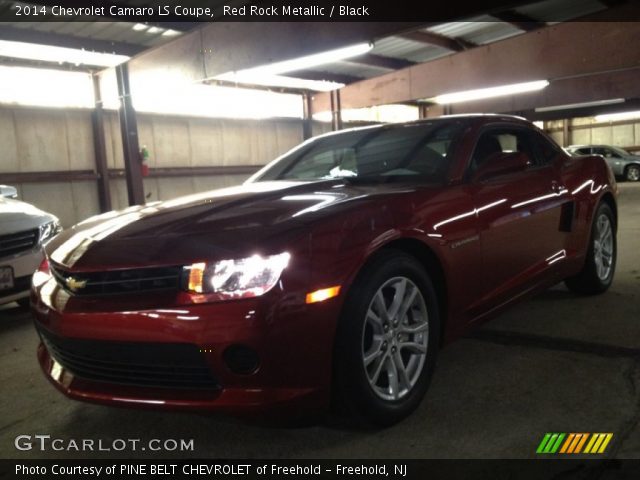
point(8, 192)
point(501, 163)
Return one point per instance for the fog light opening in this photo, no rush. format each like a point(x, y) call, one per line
point(241, 360)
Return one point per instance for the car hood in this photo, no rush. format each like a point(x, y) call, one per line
point(17, 216)
point(252, 218)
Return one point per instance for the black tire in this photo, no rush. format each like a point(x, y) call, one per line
point(24, 303)
point(588, 281)
point(353, 394)
point(632, 173)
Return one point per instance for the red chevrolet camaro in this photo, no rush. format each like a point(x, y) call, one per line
point(331, 277)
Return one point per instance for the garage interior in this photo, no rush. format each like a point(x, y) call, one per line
point(185, 94)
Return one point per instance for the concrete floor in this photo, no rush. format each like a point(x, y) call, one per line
point(557, 363)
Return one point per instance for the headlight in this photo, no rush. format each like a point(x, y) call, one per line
point(48, 231)
point(243, 278)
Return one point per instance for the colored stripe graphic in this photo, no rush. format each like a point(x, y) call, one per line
point(606, 441)
point(543, 443)
point(567, 443)
point(550, 443)
point(574, 443)
point(581, 442)
point(591, 442)
point(554, 449)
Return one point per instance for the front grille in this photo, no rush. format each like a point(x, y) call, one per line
point(18, 242)
point(118, 281)
point(159, 365)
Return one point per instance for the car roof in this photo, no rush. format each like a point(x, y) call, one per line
point(592, 145)
point(442, 118)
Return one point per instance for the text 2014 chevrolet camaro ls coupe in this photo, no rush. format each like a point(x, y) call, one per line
point(332, 276)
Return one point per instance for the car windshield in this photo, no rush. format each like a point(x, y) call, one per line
point(415, 151)
point(620, 151)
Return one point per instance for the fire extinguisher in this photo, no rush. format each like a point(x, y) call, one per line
point(144, 156)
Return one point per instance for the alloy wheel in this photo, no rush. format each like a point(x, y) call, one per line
point(603, 247)
point(395, 338)
point(633, 174)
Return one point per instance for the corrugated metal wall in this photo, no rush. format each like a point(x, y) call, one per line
point(36, 140)
point(591, 132)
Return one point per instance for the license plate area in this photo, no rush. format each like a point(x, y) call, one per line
point(6, 278)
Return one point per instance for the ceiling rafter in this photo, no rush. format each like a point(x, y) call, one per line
point(430, 38)
point(324, 76)
point(519, 20)
point(379, 61)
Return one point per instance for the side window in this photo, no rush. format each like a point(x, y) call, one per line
point(610, 153)
point(499, 140)
point(584, 151)
point(600, 151)
point(546, 151)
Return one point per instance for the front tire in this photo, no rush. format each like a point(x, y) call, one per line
point(597, 274)
point(632, 173)
point(387, 340)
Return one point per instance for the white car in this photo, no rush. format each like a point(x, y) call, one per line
point(24, 229)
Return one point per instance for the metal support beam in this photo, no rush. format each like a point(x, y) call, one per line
point(130, 143)
point(579, 49)
point(100, 149)
point(336, 111)
point(566, 139)
point(307, 119)
point(220, 47)
point(372, 60)
point(326, 76)
point(430, 38)
point(519, 20)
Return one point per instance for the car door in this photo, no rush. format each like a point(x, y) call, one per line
point(519, 214)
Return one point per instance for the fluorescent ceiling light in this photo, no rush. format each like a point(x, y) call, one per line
point(212, 101)
point(613, 117)
point(392, 113)
point(279, 81)
point(170, 33)
point(270, 75)
point(140, 26)
point(47, 53)
point(24, 86)
point(309, 61)
point(481, 93)
point(154, 30)
point(568, 106)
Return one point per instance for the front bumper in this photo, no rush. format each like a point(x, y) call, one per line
point(293, 342)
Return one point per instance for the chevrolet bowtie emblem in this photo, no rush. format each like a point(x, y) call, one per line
point(74, 284)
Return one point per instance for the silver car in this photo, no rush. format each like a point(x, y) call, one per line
point(621, 162)
point(24, 229)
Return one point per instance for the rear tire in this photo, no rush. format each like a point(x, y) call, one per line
point(387, 341)
point(632, 173)
point(599, 267)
